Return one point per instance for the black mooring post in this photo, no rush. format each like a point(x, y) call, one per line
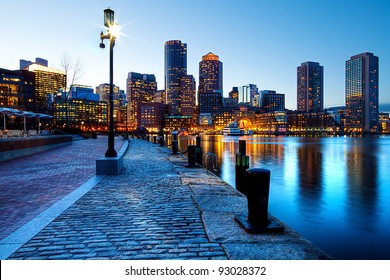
point(257, 220)
point(199, 151)
point(155, 139)
point(258, 194)
point(161, 141)
point(242, 164)
point(242, 147)
point(191, 155)
point(175, 147)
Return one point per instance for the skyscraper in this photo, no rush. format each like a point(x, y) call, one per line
point(310, 87)
point(187, 95)
point(140, 89)
point(175, 68)
point(247, 94)
point(210, 74)
point(361, 93)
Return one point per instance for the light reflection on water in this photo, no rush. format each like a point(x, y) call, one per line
point(333, 191)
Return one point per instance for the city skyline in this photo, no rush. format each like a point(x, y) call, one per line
point(259, 42)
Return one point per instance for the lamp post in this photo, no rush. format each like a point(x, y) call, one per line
point(111, 27)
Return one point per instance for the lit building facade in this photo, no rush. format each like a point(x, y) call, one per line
point(187, 95)
point(210, 103)
point(151, 116)
point(271, 123)
point(361, 93)
point(272, 101)
point(81, 113)
point(159, 96)
point(140, 89)
point(175, 68)
point(310, 87)
point(48, 81)
point(178, 123)
point(103, 90)
point(310, 123)
point(210, 74)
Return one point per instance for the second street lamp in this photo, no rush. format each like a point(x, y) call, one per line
point(112, 29)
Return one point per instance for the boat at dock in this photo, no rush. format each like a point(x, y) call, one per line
point(232, 129)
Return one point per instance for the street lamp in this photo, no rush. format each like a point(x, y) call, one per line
point(112, 30)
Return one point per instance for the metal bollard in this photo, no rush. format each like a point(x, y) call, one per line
point(155, 139)
point(242, 147)
point(257, 220)
point(199, 151)
point(258, 194)
point(148, 138)
point(242, 164)
point(175, 147)
point(191, 155)
point(161, 141)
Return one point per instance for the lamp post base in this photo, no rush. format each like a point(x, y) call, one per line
point(111, 153)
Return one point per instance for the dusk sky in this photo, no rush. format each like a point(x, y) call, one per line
point(259, 41)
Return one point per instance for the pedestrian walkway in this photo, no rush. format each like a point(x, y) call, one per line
point(159, 209)
point(31, 184)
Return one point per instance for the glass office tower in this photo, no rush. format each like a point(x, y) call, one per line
point(361, 93)
point(175, 68)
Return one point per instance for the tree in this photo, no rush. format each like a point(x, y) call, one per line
point(73, 72)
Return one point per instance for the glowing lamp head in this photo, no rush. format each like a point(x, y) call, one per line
point(114, 30)
point(109, 18)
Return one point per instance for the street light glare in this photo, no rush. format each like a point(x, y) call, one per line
point(115, 30)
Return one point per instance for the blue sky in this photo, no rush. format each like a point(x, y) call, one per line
point(258, 41)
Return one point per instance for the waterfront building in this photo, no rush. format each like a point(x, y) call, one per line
point(178, 123)
point(48, 81)
point(310, 123)
point(224, 118)
point(103, 90)
point(249, 94)
point(362, 93)
point(175, 68)
point(187, 95)
point(151, 115)
point(271, 122)
point(310, 87)
point(140, 89)
point(210, 74)
point(384, 123)
point(81, 113)
point(272, 101)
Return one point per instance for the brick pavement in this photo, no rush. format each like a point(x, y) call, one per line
point(31, 184)
point(144, 213)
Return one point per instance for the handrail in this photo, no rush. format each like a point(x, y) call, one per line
point(210, 162)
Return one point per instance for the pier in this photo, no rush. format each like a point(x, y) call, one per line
point(156, 208)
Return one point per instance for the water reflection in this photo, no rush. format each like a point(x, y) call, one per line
point(334, 191)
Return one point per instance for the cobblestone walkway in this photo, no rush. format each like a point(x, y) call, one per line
point(144, 213)
point(31, 184)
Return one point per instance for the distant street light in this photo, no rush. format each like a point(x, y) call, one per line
point(112, 33)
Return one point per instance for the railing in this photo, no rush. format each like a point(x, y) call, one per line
point(210, 162)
